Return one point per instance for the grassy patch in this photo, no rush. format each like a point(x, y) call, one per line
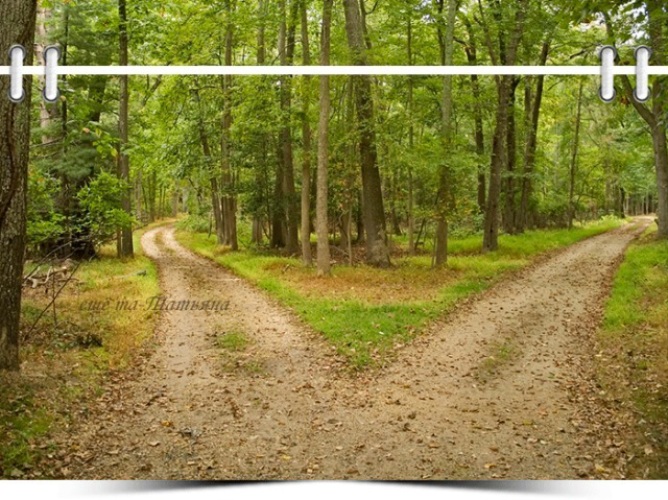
point(367, 312)
point(501, 354)
point(236, 356)
point(64, 358)
point(634, 349)
point(232, 341)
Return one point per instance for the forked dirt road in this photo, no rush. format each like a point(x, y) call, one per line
point(490, 392)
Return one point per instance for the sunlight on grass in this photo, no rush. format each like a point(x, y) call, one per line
point(367, 312)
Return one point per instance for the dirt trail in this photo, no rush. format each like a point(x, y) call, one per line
point(487, 393)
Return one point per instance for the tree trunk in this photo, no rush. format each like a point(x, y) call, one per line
point(411, 139)
point(491, 234)
point(510, 208)
point(507, 56)
point(126, 246)
point(228, 198)
point(322, 224)
point(215, 189)
point(17, 25)
point(531, 142)
point(478, 132)
point(377, 253)
point(574, 158)
point(306, 138)
point(286, 51)
point(257, 231)
point(445, 177)
point(661, 163)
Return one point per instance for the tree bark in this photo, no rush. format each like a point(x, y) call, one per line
point(574, 158)
point(509, 206)
point(445, 176)
point(507, 55)
point(126, 245)
point(257, 231)
point(228, 198)
point(286, 51)
point(306, 138)
point(532, 142)
point(411, 137)
point(377, 253)
point(478, 132)
point(17, 26)
point(322, 224)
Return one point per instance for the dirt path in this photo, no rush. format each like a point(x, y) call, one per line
point(488, 393)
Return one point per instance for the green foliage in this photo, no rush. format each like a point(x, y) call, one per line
point(100, 199)
point(45, 223)
point(195, 223)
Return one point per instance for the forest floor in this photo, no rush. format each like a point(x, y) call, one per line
point(502, 388)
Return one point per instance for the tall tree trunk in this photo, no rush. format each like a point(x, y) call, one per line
point(510, 208)
point(17, 25)
point(322, 224)
point(257, 230)
point(213, 179)
point(478, 129)
point(574, 158)
point(445, 176)
point(286, 51)
point(532, 141)
point(507, 55)
point(491, 234)
point(228, 198)
point(411, 137)
point(377, 253)
point(126, 246)
point(661, 161)
point(306, 138)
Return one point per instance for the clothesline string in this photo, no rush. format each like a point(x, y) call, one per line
point(333, 70)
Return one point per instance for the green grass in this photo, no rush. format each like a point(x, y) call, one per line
point(65, 361)
point(634, 348)
point(367, 312)
point(501, 354)
point(232, 341)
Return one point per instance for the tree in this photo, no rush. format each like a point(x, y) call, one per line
point(306, 138)
point(377, 253)
point(322, 224)
point(286, 47)
point(445, 176)
point(654, 115)
point(510, 27)
point(125, 244)
point(227, 197)
point(17, 26)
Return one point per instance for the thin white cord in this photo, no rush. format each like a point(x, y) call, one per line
point(642, 55)
point(333, 70)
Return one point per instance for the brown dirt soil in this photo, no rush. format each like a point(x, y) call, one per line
point(501, 388)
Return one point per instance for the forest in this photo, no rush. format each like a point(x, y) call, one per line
point(367, 277)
